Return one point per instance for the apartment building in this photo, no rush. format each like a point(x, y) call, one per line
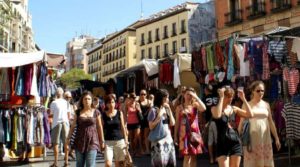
point(119, 51)
point(77, 50)
point(95, 60)
point(255, 17)
point(16, 34)
point(179, 29)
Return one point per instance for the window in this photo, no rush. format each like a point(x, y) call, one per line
point(183, 30)
point(183, 42)
point(150, 53)
point(157, 52)
point(142, 54)
point(124, 51)
point(166, 49)
point(174, 47)
point(174, 33)
point(149, 37)
point(157, 34)
point(142, 39)
point(165, 32)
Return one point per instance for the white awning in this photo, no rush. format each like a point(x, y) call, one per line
point(20, 59)
point(150, 65)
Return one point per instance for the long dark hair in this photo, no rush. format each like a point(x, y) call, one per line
point(159, 97)
point(85, 93)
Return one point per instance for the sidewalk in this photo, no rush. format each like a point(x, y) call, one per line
point(144, 161)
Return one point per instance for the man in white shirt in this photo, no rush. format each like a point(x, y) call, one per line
point(60, 125)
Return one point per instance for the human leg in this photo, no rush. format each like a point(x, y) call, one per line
point(223, 161)
point(187, 161)
point(91, 158)
point(55, 137)
point(80, 159)
point(234, 161)
point(108, 154)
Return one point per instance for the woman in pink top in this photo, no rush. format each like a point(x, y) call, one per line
point(133, 124)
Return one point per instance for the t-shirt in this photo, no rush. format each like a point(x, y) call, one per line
point(60, 109)
point(210, 101)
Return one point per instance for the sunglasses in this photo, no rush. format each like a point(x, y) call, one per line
point(260, 91)
point(69, 97)
point(143, 94)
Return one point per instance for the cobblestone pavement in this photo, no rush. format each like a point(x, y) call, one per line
point(143, 161)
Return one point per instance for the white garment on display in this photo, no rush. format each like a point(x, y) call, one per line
point(244, 65)
point(296, 47)
point(34, 88)
point(59, 109)
point(20, 59)
point(176, 80)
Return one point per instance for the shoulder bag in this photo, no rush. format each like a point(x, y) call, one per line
point(158, 132)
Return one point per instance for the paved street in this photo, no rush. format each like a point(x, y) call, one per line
point(144, 161)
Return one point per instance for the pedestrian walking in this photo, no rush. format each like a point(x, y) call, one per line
point(261, 127)
point(89, 133)
point(229, 148)
point(115, 134)
point(145, 107)
point(133, 124)
point(162, 150)
point(186, 124)
point(60, 126)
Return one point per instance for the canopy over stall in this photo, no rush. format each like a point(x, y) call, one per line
point(20, 59)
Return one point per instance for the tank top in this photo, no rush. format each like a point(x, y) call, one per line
point(112, 127)
point(132, 117)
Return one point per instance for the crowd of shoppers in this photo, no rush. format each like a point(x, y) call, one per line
point(129, 121)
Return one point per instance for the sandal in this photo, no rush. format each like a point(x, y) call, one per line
point(66, 164)
point(54, 165)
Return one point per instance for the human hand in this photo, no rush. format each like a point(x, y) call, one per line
point(278, 144)
point(221, 92)
point(241, 94)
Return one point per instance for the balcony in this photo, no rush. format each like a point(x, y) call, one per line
point(149, 40)
point(142, 42)
point(233, 17)
point(174, 33)
point(183, 30)
point(280, 5)
point(156, 38)
point(166, 36)
point(256, 10)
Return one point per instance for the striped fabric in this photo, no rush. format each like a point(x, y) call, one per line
point(292, 77)
point(292, 56)
point(278, 49)
point(291, 114)
point(266, 66)
point(72, 139)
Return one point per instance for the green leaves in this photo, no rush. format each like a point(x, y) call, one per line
point(70, 79)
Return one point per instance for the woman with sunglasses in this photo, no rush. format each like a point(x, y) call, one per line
point(229, 148)
point(187, 118)
point(261, 124)
point(145, 107)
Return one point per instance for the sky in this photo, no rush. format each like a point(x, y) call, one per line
point(55, 22)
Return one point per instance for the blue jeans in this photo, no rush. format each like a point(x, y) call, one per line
point(87, 158)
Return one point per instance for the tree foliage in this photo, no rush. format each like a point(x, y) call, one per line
point(70, 79)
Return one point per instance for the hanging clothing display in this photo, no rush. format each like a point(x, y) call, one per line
point(291, 114)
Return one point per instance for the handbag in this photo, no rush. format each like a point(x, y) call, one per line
point(158, 132)
point(195, 138)
point(128, 160)
point(245, 136)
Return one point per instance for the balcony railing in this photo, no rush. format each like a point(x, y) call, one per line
point(280, 5)
point(183, 30)
point(233, 17)
point(142, 42)
point(256, 10)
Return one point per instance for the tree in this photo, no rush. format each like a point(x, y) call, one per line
point(70, 79)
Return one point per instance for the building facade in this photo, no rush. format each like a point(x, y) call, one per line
point(179, 29)
point(16, 34)
point(119, 52)
point(76, 52)
point(255, 17)
point(95, 61)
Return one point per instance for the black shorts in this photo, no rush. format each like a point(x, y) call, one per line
point(229, 148)
point(133, 126)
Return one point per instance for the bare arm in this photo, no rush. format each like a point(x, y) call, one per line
point(123, 128)
point(272, 127)
point(176, 124)
point(240, 127)
point(246, 110)
point(100, 129)
point(217, 110)
point(169, 112)
point(198, 104)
